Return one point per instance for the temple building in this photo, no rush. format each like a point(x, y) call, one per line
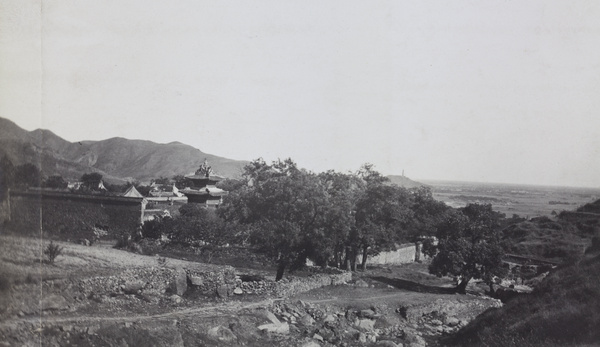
point(202, 188)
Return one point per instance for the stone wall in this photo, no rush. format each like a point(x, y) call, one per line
point(295, 285)
point(73, 216)
point(159, 280)
point(406, 253)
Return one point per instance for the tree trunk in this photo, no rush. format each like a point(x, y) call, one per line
point(462, 285)
point(492, 291)
point(280, 269)
point(347, 259)
point(337, 259)
point(363, 265)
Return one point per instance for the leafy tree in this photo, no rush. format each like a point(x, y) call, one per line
point(469, 246)
point(91, 181)
point(343, 192)
point(28, 175)
point(55, 182)
point(428, 214)
point(282, 204)
point(7, 176)
point(180, 181)
point(382, 217)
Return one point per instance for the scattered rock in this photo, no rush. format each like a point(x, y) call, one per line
point(175, 298)
point(132, 287)
point(196, 280)
point(329, 318)
point(451, 321)
point(221, 333)
point(367, 313)
point(361, 284)
point(66, 328)
point(414, 340)
point(307, 320)
point(436, 322)
point(386, 343)
point(310, 344)
point(270, 316)
point(222, 291)
point(362, 338)
point(365, 324)
point(283, 328)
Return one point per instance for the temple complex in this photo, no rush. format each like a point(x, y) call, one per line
point(202, 188)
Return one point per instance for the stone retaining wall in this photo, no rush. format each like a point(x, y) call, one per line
point(297, 285)
point(157, 280)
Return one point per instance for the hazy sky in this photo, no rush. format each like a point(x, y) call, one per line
point(497, 91)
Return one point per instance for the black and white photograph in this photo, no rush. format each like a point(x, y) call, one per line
point(299, 173)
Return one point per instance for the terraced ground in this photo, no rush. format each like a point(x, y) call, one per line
point(83, 300)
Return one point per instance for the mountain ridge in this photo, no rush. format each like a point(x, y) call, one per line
point(116, 158)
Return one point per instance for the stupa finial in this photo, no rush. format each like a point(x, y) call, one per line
point(205, 169)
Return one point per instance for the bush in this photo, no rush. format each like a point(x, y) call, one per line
point(52, 251)
point(129, 242)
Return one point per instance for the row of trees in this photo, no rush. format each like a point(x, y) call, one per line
point(292, 214)
point(333, 218)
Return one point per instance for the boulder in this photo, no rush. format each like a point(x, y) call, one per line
point(361, 284)
point(222, 334)
point(451, 321)
point(362, 338)
point(133, 287)
point(196, 280)
point(310, 344)
point(307, 320)
point(269, 316)
point(329, 318)
point(318, 337)
point(365, 324)
point(283, 328)
point(238, 291)
point(386, 343)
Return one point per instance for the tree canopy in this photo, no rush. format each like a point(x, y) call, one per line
point(468, 246)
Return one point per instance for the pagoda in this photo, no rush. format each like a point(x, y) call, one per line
point(203, 189)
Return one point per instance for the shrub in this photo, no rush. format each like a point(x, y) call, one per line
point(52, 251)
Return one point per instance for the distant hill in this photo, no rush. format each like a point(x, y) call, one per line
point(117, 159)
point(404, 181)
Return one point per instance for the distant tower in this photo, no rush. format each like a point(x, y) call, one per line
point(203, 190)
point(403, 173)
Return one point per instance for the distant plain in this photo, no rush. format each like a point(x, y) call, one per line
point(527, 201)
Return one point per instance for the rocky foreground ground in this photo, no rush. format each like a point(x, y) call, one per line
point(103, 297)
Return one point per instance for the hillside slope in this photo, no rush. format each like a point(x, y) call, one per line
point(564, 310)
point(115, 158)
